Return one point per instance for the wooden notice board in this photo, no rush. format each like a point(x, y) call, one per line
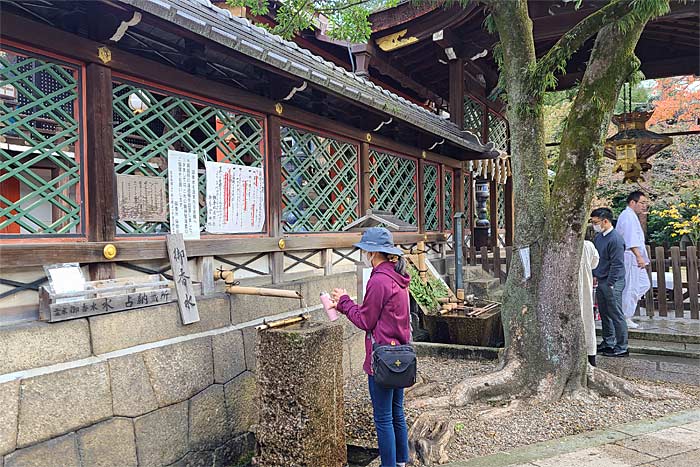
point(182, 278)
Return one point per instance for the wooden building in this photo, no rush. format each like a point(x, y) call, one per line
point(85, 102)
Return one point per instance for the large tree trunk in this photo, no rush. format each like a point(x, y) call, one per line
point(545, 353)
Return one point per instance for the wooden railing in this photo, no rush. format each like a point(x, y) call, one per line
point(679, 280)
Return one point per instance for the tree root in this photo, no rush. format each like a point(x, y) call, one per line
point(429, 436)
point(608, 385)
point(498, 385)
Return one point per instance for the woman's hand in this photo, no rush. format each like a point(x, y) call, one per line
point(337, 293)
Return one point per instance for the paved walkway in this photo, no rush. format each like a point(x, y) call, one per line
point(672, 441)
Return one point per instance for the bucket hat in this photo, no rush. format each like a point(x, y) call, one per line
point(378, 239)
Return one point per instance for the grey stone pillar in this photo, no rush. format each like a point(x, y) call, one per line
point(300, 382)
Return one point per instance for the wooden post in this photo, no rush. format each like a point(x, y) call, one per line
point(441, 197)
point(692, 273)
point(365, 172)
point(472, 222)
point(485, 258)
point(327, 256)
point(497, 263)
point(509, 256)
point(274, 184)
point(484, 123)
point(677, 281)
point(661, 279)
point(421, 197)
point(459, 190)
point(650, 292)
point(508, 210)
point(456, 104)
point(493, 214)
point(101, 224)
point(205, 273)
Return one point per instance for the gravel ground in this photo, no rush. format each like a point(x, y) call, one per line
point(480, 430)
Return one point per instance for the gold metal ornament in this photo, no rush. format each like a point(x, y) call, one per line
point(423, 154)
point(282, 243)
point(368, 137)
point(109, 251)
point(279, 108)
point(104, 54)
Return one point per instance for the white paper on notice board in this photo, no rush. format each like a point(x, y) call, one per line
point(235, 198)
point(183, 194)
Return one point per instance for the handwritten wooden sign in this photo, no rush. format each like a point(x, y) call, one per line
point(103, 305)
point(182, 278)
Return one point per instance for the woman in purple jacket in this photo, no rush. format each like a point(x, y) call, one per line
point(384, 316)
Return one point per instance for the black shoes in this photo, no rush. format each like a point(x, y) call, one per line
point(591, 360)
point(603, 348)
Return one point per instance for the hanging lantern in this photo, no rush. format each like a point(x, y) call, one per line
point(633, 145)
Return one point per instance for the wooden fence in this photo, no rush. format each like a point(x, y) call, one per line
point(672, 270)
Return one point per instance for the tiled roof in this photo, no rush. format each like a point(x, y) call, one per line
point(219, 25)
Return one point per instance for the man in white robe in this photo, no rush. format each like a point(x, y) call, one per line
point(636, 257)
point(589, 261)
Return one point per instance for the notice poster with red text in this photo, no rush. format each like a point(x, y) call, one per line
point(235, 198)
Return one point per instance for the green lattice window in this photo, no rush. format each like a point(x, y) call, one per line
point(431, 195)
point(319, 182)
point(473, 114)
point(393, 182)
point(468, 194)
point(449, 199)
point(498, 132)
point(148, 122)
point(501, 206)
point(40, 141)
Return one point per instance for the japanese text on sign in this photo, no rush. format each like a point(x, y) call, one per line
point(235, 198)
point(183, 190)
point(141, 198)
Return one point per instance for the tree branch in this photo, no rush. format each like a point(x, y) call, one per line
point(557, 56)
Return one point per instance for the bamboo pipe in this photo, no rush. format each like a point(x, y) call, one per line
point(238, 290)
point(281, 322)
point(443, 300)
point(421, 262)
point(226, 276)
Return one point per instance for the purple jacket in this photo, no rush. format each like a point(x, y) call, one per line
point(384, 311)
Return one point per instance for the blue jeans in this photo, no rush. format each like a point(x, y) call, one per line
point(390, 423)
point(612, 319)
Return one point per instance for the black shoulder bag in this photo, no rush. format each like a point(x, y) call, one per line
point(394, 366)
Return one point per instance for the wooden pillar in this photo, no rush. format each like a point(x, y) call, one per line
point(508, 214)
point(441, 197)
point(493, 212)
point(456, 103)
point(365, 171)
point(459, 190)
point(274, 184)
point(101, 186)
point(421, 197)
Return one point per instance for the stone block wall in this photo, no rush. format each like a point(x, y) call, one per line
point(139, 388)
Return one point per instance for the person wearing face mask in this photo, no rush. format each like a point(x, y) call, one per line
point(610, 273)
point(636, 257)
point(385, 317)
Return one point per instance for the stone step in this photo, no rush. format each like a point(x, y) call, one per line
point(672, 369)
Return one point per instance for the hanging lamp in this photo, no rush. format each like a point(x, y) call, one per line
point(633, 145)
